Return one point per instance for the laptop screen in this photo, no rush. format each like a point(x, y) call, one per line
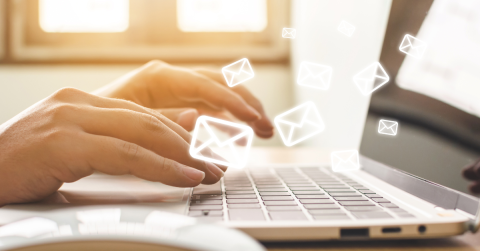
point(433, 93)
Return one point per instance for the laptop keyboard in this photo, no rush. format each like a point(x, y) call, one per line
point(290, 194)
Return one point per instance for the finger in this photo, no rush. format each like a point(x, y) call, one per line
point(475, 187)
point(472, 171)
point(117, 157)
point(263, 127)
point(146, 131)
point(191, 86)
point(184, 117)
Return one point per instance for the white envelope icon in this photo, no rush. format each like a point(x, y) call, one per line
point(371, 78)
point(206, 135)
point(289, 32)
point(238, 72)
point(299, 123)
point(413, 46)
point(345, 160)
point(388, 127)
point(346, 28)
point(314, 75)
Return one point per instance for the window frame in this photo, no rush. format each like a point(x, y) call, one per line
point(276, 51)
point(2, 29)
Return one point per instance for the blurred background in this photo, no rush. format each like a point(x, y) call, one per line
point(49, 44)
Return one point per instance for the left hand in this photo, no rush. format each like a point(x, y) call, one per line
point(472, 172)
point(158, 85)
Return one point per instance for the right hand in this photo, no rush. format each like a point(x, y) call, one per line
point(70, 134)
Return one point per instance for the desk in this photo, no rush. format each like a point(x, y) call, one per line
point(294, 155)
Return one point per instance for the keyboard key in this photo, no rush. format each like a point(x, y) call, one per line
point(241, 201)
point(242, 196)
point(334, 186)
point(206, 202)
point(339, 190)
point(205, 213)
point(240, 192)
point(270, 186)
point(246, 215)
point(239, 189)
point(274, 193)
point(301, 185)
point(345, 194)
point(366, 191)
point(356, 203)
point(398, 210)
point(325, 211)
point(272, 189)
point(308, 192)
point(363, 208)
point(239, 185)
point(280, 203)
point(373, 195)
point(214, 189)
point(288, 216)
point(331, 217)
point(316, 201)
point(388, 205)
point(357, 198)
point(304, 189)
point(268, 198)
point(321, 206)
point(243, 206)
point(380, 200)
point(371, 215)
point(205, 207)
point(312, 196)
point(283, 208)
point(268, 183)
point(206, 197)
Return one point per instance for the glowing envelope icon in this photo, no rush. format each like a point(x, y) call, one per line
point(214, 137)
point(289, 32)
point(413, 46)
point(299, 123)
point(238, 72)
point(314, 75)
point(388, 127)
point(346, 28)
point(345, 160)
point(371, 78)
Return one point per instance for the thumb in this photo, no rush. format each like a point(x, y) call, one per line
point(184, 117)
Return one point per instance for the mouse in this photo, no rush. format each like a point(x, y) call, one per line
point(103, 229)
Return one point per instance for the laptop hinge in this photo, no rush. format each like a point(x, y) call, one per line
point(474, 224)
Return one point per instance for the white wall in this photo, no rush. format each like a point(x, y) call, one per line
point(23, 85)
point(343, 107)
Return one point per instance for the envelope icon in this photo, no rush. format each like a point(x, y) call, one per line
point(413, 46)
point(346, 28)
point(238, 72)
point(345, 160)
point(388, 127)
point(371, 78)
point(207, 138)
point(299, 123)
point(314, 75)
point(289, 32)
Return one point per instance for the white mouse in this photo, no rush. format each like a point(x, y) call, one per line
point(103, 230)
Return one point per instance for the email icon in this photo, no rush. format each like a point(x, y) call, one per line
point(413, 46)
point(388, 127)
point(371, 78)
point(299, 123)
point(238, 72)
point(346, 28)
point(289, 32)
point(314, 75)
point(207, 138)
point(345, 161)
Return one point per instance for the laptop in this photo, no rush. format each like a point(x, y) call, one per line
point(301, 200)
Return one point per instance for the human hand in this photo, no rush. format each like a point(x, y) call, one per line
point(472, 172)
point(71, 134)
point(158, 85)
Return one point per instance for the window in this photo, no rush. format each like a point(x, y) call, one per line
point(141, 30)
point(83, 15)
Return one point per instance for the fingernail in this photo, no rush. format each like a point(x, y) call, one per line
point(215, 170)
point(193, 174)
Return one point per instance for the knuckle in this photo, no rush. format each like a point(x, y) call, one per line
point(130, 152)
point(63, 110)
point(66, 93)
point(149, 122)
